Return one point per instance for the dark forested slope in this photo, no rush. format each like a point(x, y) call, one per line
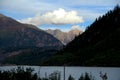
point(99, 45)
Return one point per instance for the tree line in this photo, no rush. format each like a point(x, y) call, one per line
point(27, 74)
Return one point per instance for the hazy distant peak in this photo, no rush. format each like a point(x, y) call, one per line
point(76, 31)
point(64, 37)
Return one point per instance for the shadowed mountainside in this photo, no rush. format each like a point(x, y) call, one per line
point(99, 45)
point(16, 37)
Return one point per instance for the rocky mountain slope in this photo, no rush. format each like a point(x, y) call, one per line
point(64, 37)
point(15, 37)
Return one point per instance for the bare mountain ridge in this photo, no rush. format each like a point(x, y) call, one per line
point(64, 37)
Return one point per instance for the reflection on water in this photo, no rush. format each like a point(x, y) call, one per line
point(98, 72)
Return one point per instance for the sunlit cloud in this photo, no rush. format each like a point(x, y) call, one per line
point(78, 27)
point(57, 17)
point(75, 27)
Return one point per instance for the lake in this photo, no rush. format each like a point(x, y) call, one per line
point(42, 71)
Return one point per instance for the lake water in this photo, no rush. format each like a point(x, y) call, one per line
point(112, 72)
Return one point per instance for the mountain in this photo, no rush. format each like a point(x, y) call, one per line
point(99, 45)
point(17, 38)
point(64, 37)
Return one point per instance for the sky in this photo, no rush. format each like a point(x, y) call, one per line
point(57, 14)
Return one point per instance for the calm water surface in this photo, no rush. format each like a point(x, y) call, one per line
point(112, 73)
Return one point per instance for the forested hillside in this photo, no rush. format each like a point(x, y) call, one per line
point(99, 45)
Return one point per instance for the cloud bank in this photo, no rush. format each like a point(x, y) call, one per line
point(75, 27)
point(78, 27)
point(57, 17)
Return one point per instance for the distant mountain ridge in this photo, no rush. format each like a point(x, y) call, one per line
point(64, 37)
point(15, 37)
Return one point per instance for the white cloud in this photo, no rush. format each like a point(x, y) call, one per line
point(78, 27)
point(59, 16)
point(75, 27)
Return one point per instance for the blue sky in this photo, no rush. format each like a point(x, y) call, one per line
point(57, 14)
